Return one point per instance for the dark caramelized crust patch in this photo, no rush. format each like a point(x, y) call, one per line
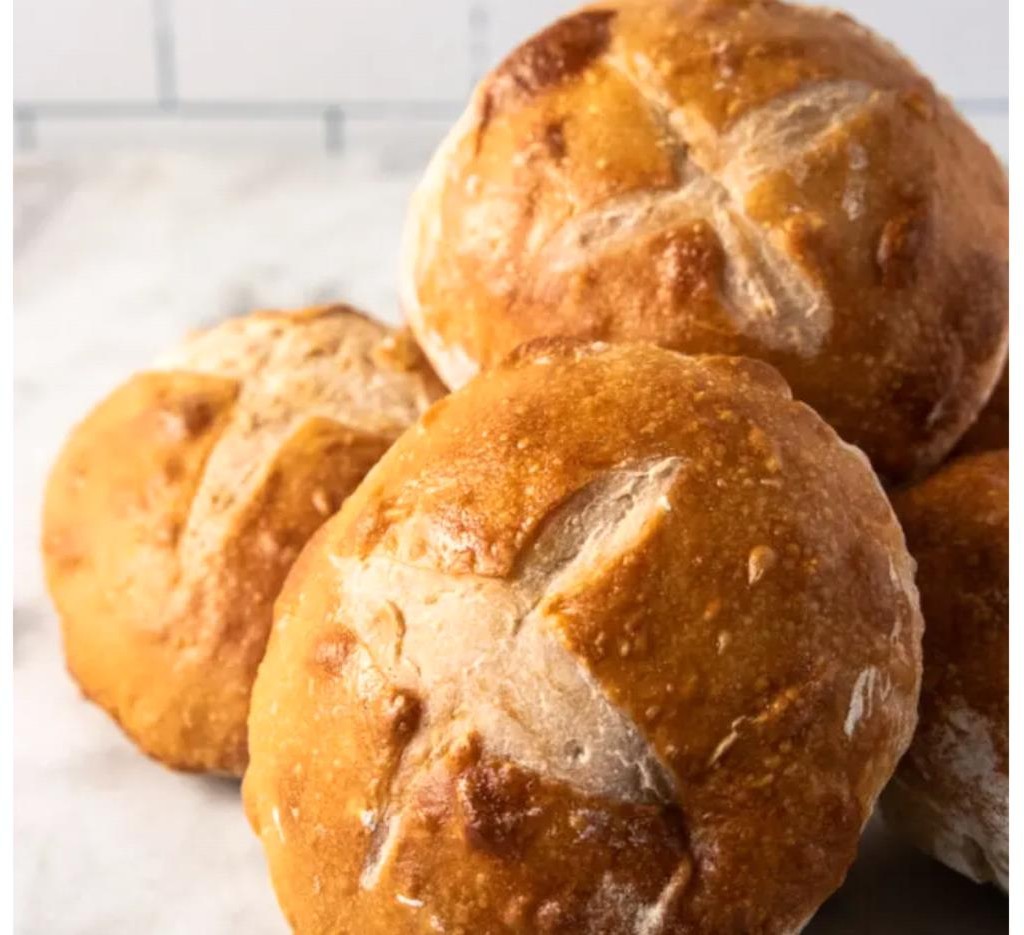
point(555, 55)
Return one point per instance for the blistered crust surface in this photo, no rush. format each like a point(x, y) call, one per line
point(726, 177)
point(951, 794)
point(177, 506)
point(612, 640)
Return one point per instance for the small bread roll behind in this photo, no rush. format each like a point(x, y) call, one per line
point(613, 640)
point(725, 176)
point(177, 506)
point(950, 795)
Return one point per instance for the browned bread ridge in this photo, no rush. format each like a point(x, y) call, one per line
point(725, 176)
point(177, 506)
point(950, 795)
point(612, 640)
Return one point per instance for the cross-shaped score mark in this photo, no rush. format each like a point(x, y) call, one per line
point(483, 657)
point(770, 295)
point(289, 375)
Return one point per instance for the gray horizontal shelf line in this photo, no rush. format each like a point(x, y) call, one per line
point(252, 110)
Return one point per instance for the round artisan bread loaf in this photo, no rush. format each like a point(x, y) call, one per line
point(613, 640)
point(950, 795)
point(177, 506)
point(725, 176)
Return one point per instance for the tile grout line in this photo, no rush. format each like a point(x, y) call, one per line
point(479, 29)
point(164, 56)
point(28, 115)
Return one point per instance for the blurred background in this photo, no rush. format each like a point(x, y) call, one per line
point(336, 75)
point(178, 161)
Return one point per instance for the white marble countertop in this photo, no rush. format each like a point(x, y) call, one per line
point(115, 257)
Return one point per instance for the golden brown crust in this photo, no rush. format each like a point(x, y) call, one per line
point(725, 176)
point(950, 795)
point(178, 505)
point(612, 640)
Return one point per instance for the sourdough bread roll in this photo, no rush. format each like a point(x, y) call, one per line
point(950, 795)
point(613, 640)
point(177, 506)
point(725, 176)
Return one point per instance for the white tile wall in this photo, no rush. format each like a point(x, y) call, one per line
point(84, 50)
point(193, 72)
point(322, 49)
